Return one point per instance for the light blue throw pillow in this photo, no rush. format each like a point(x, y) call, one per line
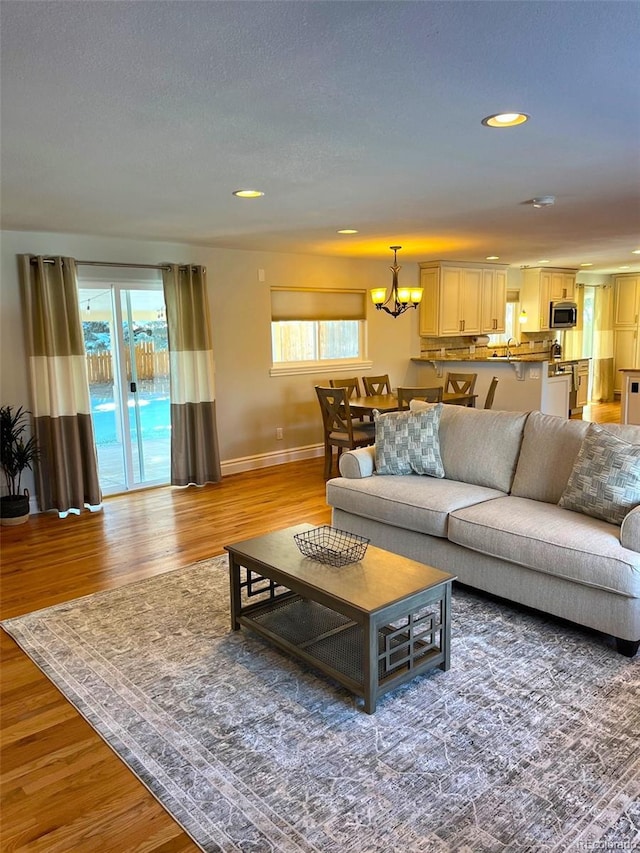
point(605, 480)
point(408, 442)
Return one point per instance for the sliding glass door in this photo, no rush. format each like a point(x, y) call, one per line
point(125, 334)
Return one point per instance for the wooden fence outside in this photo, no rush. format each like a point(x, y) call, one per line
point(149, 364)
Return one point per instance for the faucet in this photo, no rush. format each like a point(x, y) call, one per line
point(508, 353)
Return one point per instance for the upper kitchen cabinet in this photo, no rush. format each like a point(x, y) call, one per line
point(563, 285)
point(541, 287)
point(626, 326)
point(626, 301)
point(494, 301)
point(454, 297)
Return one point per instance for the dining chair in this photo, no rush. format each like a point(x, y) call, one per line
point(460, 383)
point(340, 429)
point(353, 390)
point(376, 384)
point(352, 385)
point(491, 393)
point(429, 395)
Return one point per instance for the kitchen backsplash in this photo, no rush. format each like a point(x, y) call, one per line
point(533, 343)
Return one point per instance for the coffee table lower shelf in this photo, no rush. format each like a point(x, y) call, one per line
point(335, 644)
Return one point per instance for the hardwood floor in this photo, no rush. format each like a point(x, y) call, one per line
point(63, 789)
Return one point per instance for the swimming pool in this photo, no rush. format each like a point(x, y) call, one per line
point(155, 419)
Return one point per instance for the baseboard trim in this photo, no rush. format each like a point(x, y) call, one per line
point(268, 460)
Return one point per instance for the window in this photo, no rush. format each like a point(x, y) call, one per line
point(512, 327)
point(317, 330)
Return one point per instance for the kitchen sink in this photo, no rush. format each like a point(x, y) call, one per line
point(504, 358)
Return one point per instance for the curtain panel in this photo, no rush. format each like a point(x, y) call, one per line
point(603, 345)
point(195, 457)
point(67, 471)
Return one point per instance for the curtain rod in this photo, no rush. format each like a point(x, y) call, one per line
point(117, 264)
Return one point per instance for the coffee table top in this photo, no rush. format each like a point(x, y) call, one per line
point(380, 579)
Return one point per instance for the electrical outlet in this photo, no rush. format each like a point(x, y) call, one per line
point(279, 434)
point(472, 349)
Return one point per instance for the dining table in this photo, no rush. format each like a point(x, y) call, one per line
point(389, 402)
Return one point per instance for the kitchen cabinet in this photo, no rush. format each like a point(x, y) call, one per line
point(562, 286)
point(626, 301)
point(582, 392)
point(626, 326)
point(541, 287)
point(494, 301)
point(626, 354)
point(454, 296)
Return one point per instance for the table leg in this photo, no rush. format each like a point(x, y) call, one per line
point(236, 598)
point(445, 631)
point(370, 665)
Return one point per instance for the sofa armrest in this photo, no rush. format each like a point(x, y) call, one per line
point(630, 530)
point(358, 463)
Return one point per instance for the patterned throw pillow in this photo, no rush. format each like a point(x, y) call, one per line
point(408, 443)
point(605, 481)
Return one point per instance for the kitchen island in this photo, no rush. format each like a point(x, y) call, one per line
point(525, 383)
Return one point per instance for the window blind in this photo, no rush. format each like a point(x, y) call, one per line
point(304, 304)
point(513, 296)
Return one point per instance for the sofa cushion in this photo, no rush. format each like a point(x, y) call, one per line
point(481, 446)
point(407, 442)
point(415, 503)
point(550, 446)
point(605, 481)
point(549, 539)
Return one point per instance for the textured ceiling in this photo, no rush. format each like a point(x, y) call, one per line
point(138, 119)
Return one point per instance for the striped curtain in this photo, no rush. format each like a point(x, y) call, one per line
point(195, 458)
point(67, 472)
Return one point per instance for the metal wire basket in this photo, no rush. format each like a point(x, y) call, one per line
point(331, 546)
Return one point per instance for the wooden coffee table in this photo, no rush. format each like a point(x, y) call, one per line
point(370, 625)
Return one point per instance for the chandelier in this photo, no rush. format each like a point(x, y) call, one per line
point(400, 298)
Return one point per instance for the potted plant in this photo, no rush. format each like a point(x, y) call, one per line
point(16, 454)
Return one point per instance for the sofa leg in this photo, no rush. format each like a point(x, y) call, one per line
point(628, 648)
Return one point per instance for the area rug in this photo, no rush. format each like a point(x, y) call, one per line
point(528, 743)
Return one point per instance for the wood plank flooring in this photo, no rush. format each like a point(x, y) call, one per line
point(63, 789)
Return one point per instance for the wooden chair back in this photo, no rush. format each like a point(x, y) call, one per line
point(376, 384)
point(491, 393)
point(339, 428)
point(352, 385)
point(460, 383)
point(430, 395)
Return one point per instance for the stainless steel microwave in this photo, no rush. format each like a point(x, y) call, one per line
point(563, 315)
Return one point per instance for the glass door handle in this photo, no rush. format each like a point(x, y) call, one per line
point(133, 387)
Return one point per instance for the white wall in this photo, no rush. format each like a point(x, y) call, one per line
point(250, 403)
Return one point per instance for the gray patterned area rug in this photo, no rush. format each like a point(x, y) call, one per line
point(528, 743)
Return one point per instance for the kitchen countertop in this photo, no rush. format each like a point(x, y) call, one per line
point(534, 357)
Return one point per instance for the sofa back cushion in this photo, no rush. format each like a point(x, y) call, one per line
point(480, 446)
point(550, 447)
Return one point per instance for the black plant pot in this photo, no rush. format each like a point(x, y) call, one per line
point(14, 509)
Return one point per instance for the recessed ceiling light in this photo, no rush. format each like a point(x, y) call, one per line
point(347, 231)
point(624, 268)
point(543, 201)
point(544, 261)
point(248, 193)
point(635, 251)
point(505, 119)
point(492, 258)
point(586, 265)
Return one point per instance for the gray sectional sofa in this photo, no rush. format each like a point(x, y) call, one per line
point(494, 519)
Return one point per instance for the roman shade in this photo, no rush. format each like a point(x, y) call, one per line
point(305, 304)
